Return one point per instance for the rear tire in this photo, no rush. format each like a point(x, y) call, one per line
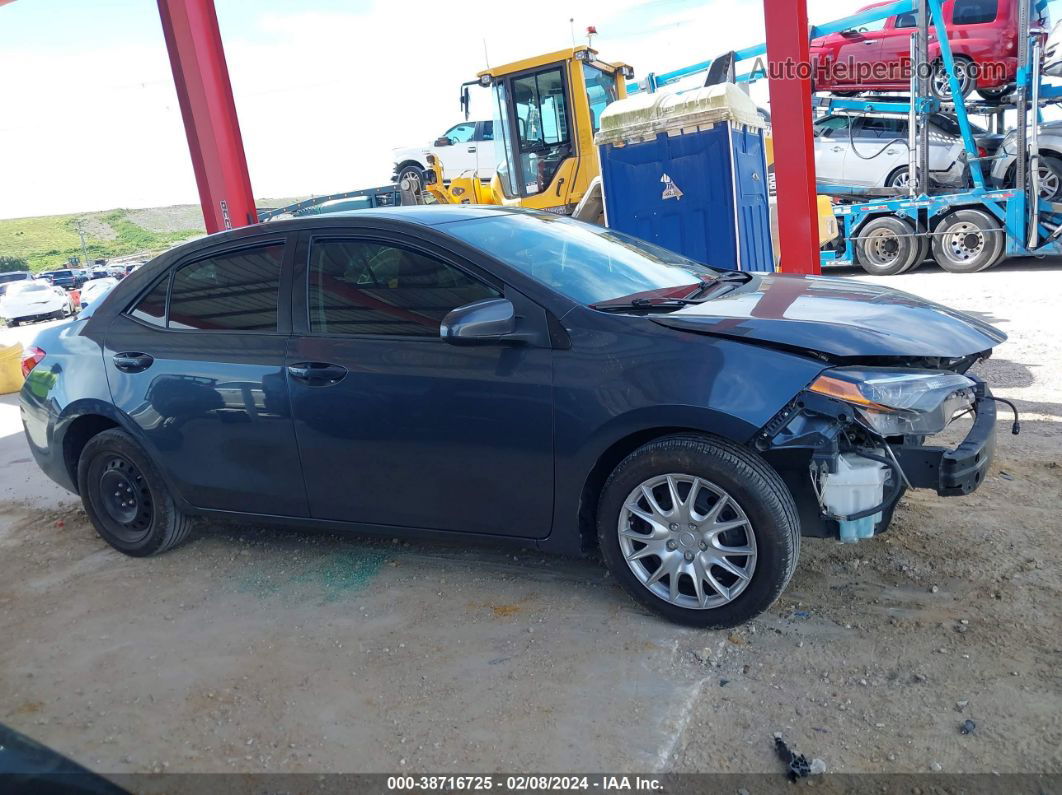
point(126, 498)
point(886, 246)
point(939, 86)
point(728, 499)
point(921, 255)
point(967, 241)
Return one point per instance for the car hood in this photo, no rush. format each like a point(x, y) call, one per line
point(840, 318)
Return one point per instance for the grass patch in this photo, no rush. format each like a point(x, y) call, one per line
point(48, 242)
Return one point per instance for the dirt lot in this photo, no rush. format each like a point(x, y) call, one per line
point(252, 650)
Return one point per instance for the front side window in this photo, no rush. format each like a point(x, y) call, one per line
point(585, 262)
point(366, 287)
point(461, 133)
point(234, 291)
point(831, 125)
point(973, 12)
point(600, 92)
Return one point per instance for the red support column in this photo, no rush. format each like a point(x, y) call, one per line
point(205, 94)
point(794, 153)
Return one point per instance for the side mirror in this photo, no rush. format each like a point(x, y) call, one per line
point(482, 321)
point(442, 140)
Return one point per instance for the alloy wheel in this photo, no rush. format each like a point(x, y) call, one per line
point(687, 541)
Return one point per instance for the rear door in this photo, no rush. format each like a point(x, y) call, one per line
point(879, 150)
point(397, 427)
point(197, 364)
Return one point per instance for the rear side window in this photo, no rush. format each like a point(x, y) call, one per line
point(152, 307)
point(235, 291)
point(974, 12)
point(364, 287)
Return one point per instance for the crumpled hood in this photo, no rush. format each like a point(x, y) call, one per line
point(836, 317)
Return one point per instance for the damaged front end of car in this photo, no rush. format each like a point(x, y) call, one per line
point(855, 439)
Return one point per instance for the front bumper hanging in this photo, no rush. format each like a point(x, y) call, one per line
point(955, 472)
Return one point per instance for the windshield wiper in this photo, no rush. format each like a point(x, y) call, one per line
point(621, 305)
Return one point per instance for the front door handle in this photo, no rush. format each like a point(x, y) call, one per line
point(131, 362)
point(837, 149)
point(317, 373)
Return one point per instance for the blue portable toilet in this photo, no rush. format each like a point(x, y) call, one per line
point(689, 173)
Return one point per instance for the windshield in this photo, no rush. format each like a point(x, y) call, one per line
point(587, 263)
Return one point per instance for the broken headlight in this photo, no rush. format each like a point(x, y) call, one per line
point(894, 402)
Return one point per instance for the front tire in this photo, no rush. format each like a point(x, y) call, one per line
point(126, 498)
point(699, 530)
point(414, 174)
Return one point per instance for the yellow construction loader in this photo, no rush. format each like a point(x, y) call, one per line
point(547, 110)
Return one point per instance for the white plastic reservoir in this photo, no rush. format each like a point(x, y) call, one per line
point(858, 484)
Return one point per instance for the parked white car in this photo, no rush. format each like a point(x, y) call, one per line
point(36, 299)
point(465, 147)
point(871, 151)
point(95, 289)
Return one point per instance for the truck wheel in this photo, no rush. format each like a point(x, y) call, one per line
point(886, 246)
point(699, 530)
point(967, 241)
point(125, 497)
point(921, 255)
point(415, 175)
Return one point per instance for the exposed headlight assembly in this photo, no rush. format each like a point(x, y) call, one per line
point(895, 402)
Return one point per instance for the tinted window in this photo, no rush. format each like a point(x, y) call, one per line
point(907, 21)
point(236, 291)
point(488, 131)
point(152, 307)
point(362, 287)
point(973, 12)
point(11, 277)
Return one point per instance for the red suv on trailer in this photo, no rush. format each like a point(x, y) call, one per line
point(876, 56)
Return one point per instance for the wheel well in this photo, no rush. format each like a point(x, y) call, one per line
point(404, 163)
point(893, 173)
point(77, 436)
point(606, 462)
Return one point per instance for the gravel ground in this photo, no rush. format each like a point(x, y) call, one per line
point(265, 650)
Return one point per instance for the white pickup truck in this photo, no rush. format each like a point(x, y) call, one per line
point(468, 146)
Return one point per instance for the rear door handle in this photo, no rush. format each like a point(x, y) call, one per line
point(317, 373)
point(131, 362)
point(472, 149)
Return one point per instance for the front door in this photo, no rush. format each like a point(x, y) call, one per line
point(831, 147)
point(459, 157)
point(197, 364)
point(397, 427)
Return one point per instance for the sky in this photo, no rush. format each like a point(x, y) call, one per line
point(324, 89)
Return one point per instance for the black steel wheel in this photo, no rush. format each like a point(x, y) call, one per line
point(126, 498)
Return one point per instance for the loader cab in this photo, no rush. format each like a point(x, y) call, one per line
point(546, 111)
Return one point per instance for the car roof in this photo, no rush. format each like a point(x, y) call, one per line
point(420, 215)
